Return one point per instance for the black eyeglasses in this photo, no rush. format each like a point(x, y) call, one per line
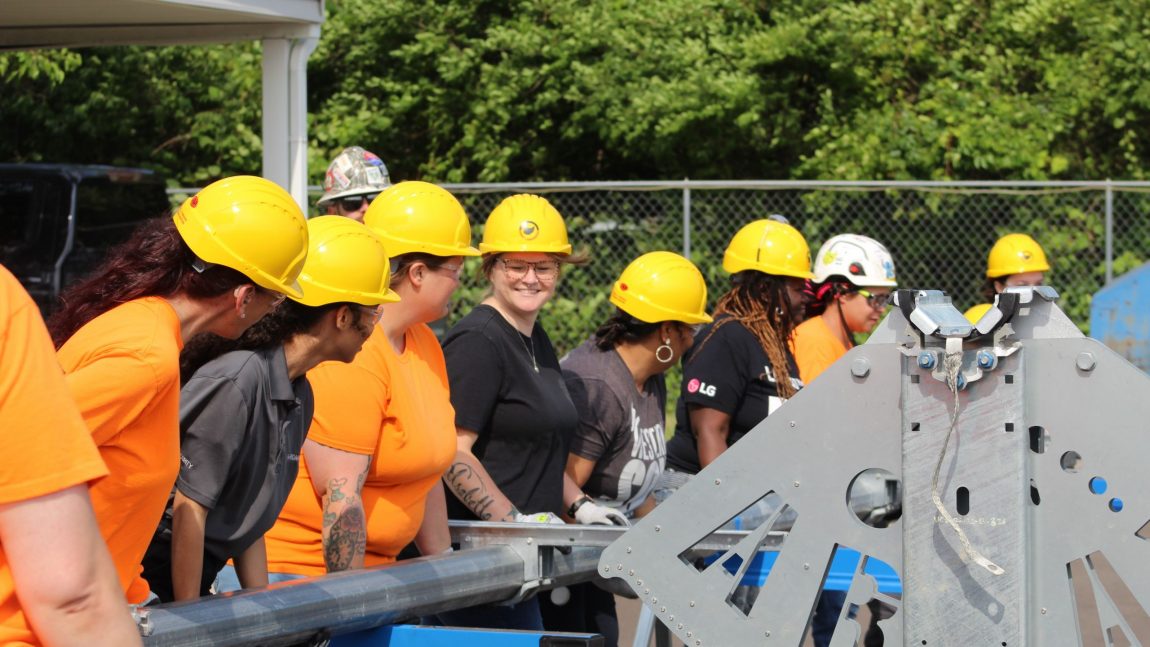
point(878, 301)
point(354, 202)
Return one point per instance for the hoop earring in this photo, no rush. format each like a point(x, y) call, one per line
point(665, 347)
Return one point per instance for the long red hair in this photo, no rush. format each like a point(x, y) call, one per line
point(155, 261)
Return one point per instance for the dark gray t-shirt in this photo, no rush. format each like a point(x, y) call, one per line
point(242, 425)
point(621, 429)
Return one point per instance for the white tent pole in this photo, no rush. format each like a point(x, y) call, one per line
point(301, 49)
point(275, 109)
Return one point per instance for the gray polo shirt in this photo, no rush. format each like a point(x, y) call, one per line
point(242, 425)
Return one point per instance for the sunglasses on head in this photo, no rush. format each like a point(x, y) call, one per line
point(354, 202)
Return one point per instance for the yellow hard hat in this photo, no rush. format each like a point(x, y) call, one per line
point(251, 225)
point(418, 216)
point(975, 313)
point(525, 223)
point(346, 262)
point(662, 286)
point(771, 247)
point(1015, 254)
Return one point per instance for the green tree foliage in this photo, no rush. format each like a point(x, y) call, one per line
point(619, 89)
point(191, 112)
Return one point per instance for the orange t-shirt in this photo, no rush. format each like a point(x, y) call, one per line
point(815, 347)
point(44, 445)
point(394, 408)
point(123, 369)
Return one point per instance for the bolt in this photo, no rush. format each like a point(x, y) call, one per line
point(1085, 361)
point(985, 359)
point(646, 591)
point(530, 541)
point(662, 609)
point(960, 381)
point(655, 601)
point(618, 567)
point(628, 550)
point(680, 625)
point(767, 634)
point(793, 423)
point(606, 569)
point(796, 483)
point(672, 619)
point(658, 528)
point(639, 582)
point(860, 367)
point(689, 634)
point(698, 642)
point(926, 360)
point(806, 567)
point(718, 481)
point(692, 603)
point(631, 572)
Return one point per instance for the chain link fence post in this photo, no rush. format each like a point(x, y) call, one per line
point(686, 220)
point(1109, 231)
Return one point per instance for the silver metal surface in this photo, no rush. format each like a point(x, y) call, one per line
point(1042, 413)
point(808, 453)
point(497, 563)
point(294, 612)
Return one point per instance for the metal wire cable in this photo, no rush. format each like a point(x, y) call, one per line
point(952, 364)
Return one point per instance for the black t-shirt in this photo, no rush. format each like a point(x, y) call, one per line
point(524, 419)
point(729, 373)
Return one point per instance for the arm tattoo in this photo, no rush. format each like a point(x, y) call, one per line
point(346, 539)
point(334, 489)
point(471, 490)
point(346, 530)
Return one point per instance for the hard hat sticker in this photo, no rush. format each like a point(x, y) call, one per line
point(528, 229)
point(340, 179)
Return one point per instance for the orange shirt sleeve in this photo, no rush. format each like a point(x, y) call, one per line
point(815, 349)
point(349, 406)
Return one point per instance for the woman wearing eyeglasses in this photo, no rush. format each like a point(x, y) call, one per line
point(854, 276)
point(513, 415)
point(384, 430)
point(853, 279)
point(616, 382)
point(216, 266)
point(244, 415)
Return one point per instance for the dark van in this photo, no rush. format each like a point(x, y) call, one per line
point(57, 221)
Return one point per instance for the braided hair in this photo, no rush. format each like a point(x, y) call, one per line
point(759, 301)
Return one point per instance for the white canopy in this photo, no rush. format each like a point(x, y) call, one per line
point(288, 29)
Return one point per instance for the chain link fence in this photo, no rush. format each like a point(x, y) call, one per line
point(938, 232)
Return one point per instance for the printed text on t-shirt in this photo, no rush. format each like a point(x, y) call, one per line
point(695, 386)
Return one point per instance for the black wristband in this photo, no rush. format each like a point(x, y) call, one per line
point(577, 504)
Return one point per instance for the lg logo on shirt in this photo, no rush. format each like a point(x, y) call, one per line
point(695, 386)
